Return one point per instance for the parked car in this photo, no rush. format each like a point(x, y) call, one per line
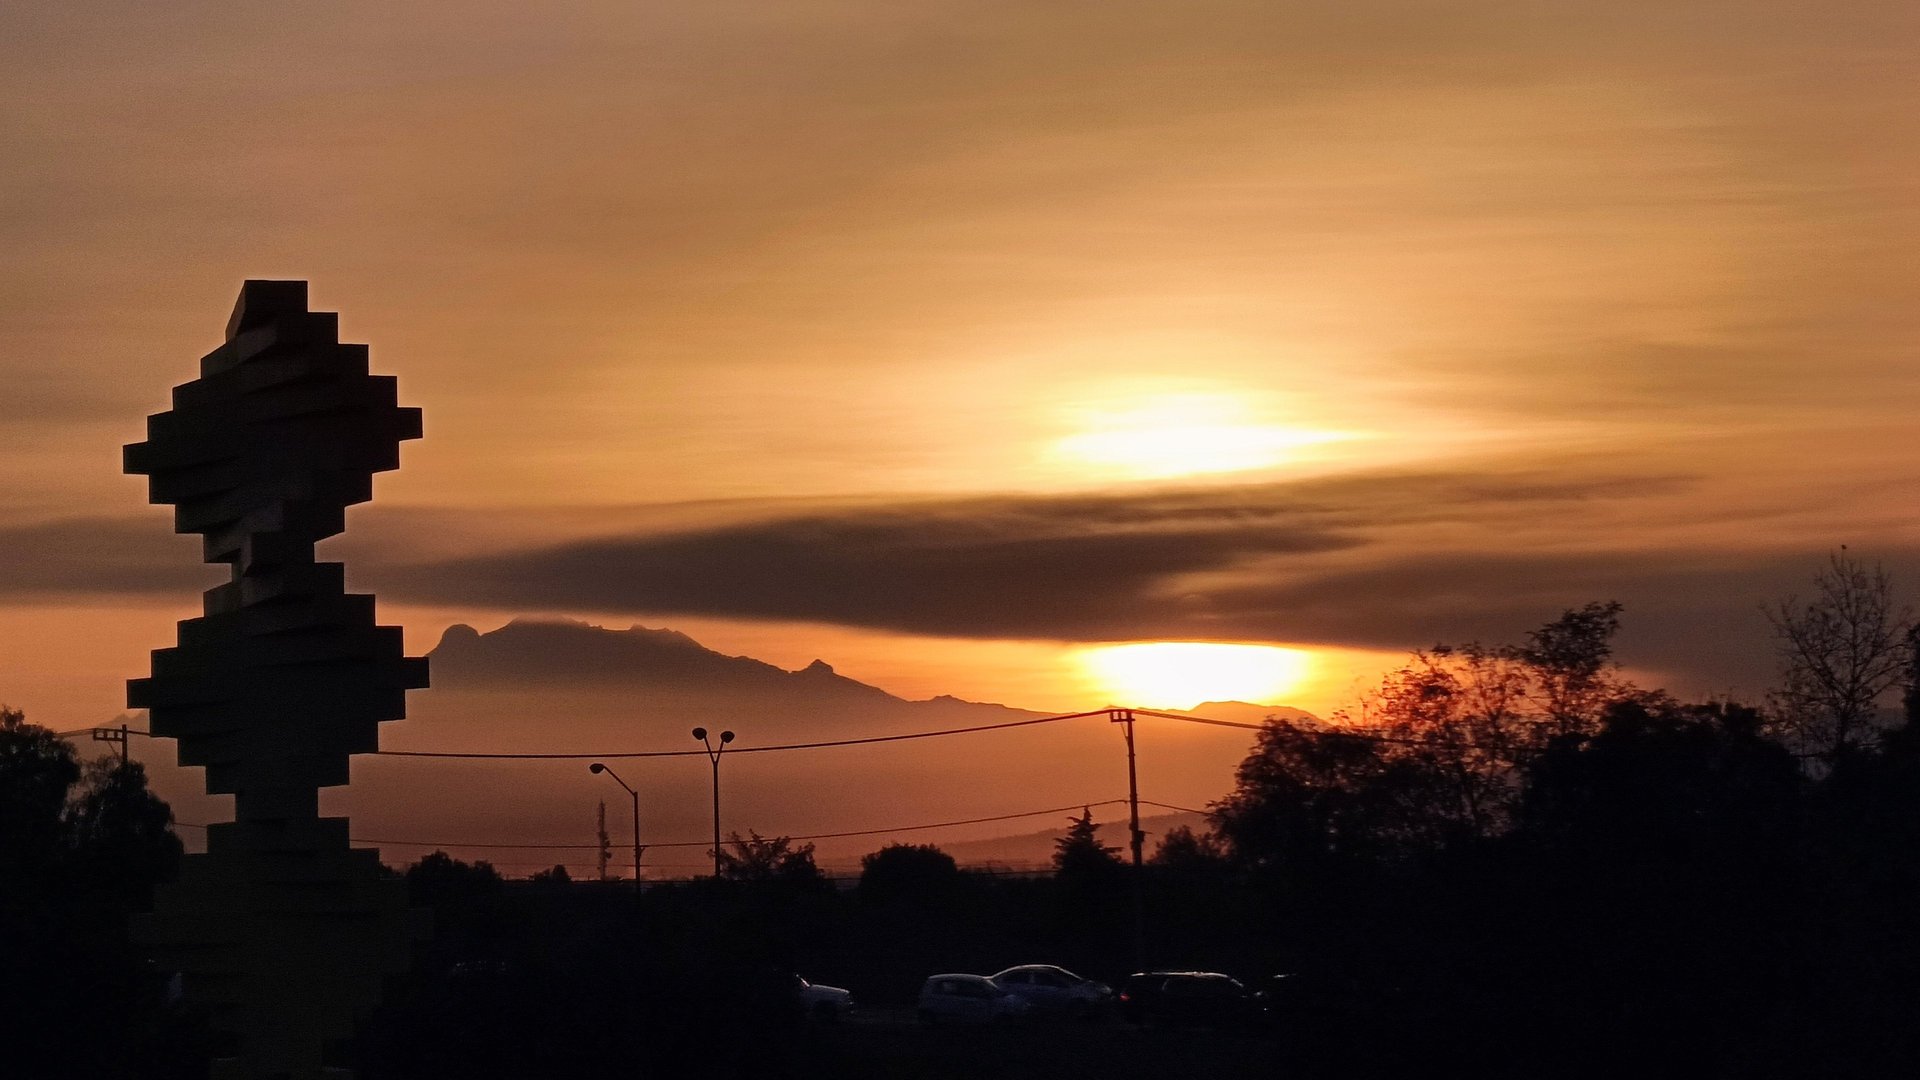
point(1056, 990)
point(968, 999)
point(1183, 998)
point(822, 1002)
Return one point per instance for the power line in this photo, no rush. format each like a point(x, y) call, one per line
point(1207, 720)
point(769, 748)
point(1327, 732)
point(743, 749)
point(704, 844)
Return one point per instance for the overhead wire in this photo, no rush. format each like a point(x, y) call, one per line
point(605, 755)
point(545, 846)
point(822, 744)
point(625, 754)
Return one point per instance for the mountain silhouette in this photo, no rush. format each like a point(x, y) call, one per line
point(544, 653)
point(1245, 712)
point(546, 687)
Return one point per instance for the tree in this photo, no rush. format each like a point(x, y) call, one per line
point(80, 850)
point(1306, 795)
point(37, 769)
point(123, 833)
point(1079, 853)
point(1840, 653)
point(443, 882)
point(769, 859)
point(466, 901)
point(1456, 717)
point(98, 828)
point(1571, 663)
point(1184, 851)
point(907, 872)
point(1457, 721)
point(557, 876)
point(1676, 779)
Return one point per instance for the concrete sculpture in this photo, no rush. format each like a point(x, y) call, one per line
point(281, 929)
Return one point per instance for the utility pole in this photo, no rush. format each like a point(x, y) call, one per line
point(1138, 841)
point(114, 735)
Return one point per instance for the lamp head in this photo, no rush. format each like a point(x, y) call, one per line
point(700, 733)
point(726, 737)
point(596, 767)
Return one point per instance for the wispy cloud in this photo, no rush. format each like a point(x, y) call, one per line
point(1209, 562)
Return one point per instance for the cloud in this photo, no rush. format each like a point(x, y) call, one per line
point(122, 557)
point(1210, 562)
point(1376, 562)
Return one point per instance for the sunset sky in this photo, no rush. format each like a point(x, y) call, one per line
point(956, 342)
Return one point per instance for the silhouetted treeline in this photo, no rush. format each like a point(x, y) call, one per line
point(82, 845)
point(1506, 860)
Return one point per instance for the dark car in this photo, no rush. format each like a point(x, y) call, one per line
point(1185, 998)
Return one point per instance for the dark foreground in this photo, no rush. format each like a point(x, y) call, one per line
point(893, 1045)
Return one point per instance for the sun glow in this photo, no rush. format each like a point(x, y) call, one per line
point(1182, 674)
point(1185, 435)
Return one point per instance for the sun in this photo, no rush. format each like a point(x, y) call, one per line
point(1182, 674)
point(1183, 434)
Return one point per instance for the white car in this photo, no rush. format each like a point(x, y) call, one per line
point(822, 1002)
point(968, 999)
point(1056, 990)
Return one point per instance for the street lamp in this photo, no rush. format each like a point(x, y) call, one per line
point(597, 767)
point(713, 755)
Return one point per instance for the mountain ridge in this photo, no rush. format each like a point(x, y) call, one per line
point(532, 652)
point(529, 703)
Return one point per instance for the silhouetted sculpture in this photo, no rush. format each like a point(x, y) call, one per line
point(281, 929)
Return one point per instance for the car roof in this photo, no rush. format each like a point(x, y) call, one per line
point(1034, 967)
point(957, 975)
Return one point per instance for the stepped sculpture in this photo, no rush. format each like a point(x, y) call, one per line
point(282, 931)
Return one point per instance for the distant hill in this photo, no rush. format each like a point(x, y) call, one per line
point(527, 652)
point(1241, 712)
point(578, 657)
point(568, 688)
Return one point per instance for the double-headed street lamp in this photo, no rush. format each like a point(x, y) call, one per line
point(598, 767)
point(713, 755)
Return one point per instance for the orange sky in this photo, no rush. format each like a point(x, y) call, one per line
point(1347, 327)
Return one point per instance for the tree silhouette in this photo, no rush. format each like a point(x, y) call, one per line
point(37, 770)
point(1184, 851)
point(1080, 854)
point(1570, 660)
point(123, 832)
point(81, 848)
point(764, 859)
point(907, 872)
point(1459, 720)
point(1839, 654)
point(1306, 795)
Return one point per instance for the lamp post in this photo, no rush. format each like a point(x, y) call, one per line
point(598, 767)
point(713, 755)
point(1136, 840)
